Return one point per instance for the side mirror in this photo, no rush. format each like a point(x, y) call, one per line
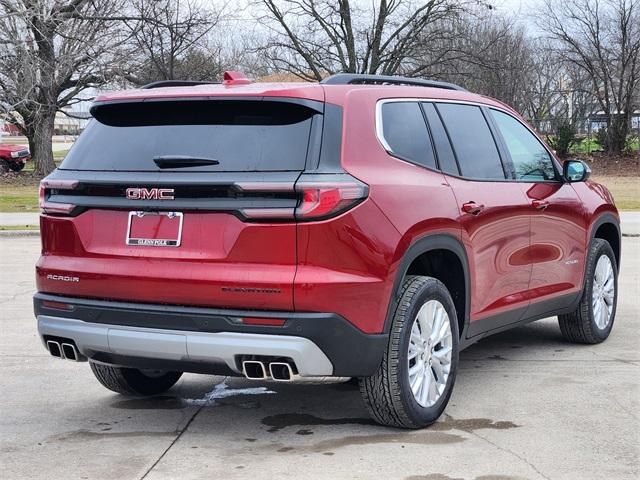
point(575, 171)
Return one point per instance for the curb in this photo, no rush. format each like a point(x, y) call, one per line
point(19, 233)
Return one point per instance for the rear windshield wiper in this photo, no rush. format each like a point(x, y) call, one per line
point(183, 161)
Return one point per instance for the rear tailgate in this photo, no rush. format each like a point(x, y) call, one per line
point(112, 209)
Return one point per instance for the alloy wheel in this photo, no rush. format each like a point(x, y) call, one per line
point(603, 292)
point(429, 353)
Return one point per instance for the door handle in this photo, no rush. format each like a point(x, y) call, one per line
point(472, 207)
point(540, 204)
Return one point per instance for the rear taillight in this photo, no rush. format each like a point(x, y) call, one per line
point(324, 200)
point(46, 186)
point(320, 197)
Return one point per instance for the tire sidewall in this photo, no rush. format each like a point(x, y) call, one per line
point(598, 249)
point(433, 290)
point(16, 166)
point(144, 384)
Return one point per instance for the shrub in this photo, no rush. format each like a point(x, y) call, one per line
point(564, 136)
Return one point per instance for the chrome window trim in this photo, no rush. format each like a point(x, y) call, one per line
point(385, 145)
point(380, 103)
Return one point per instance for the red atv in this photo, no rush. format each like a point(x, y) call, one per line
point(13, 157)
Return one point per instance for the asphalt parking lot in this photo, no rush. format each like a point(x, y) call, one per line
point(526, 405)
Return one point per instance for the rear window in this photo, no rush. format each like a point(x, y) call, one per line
point(249, 135)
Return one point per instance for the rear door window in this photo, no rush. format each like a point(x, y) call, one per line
point(472, 141)
point(241, 136)
point(405, 133)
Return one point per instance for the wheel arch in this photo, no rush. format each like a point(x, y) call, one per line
point(427, 256)
point(607, 227)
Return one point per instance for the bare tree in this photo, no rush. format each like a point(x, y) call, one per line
point(170, 41)
point(602, 39)
point(486, 53)
point(547, 92)
point(314, 38)
point(50, 51)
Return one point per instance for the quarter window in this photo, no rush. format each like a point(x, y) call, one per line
point(472, 141)
point(531, 160)
point(405, 132)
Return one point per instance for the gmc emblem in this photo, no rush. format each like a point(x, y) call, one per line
point(150, 193)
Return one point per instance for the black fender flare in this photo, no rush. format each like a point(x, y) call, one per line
point(603, 219)
point(437, 241)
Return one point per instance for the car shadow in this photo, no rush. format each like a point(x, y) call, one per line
point(271, 408)
point(525, 340)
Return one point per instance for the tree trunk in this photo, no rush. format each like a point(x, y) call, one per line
point(41, 144)
point(617, 131)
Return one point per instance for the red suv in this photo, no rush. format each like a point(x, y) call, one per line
point(366, 226)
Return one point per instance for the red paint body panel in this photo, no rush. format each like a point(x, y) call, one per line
point(558, 239)
point(219, 253)
point(496, 240)
point(347, 265)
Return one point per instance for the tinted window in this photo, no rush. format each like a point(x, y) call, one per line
point(446, 159)
point(405, 132)
point(240, 135)
point(530, 159)
point(472, 141)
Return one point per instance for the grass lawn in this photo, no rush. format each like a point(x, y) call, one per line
point(57, 158)
point(588, 145)
point(9, 228)
point(59, 155)
point(22, 196)
point(625, 190)
point(18, 198)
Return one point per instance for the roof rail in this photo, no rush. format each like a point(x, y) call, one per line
point(174, 83)
point(365, 79)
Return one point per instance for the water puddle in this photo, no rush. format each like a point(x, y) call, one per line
point(222, 390)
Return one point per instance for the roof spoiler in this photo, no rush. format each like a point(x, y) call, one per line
point(229, 78)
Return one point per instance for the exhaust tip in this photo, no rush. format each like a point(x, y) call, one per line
point(281, 371)
point(254, 370)
point(69, 351)
point(54, 349)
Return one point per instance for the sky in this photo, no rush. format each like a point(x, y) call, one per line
point(520, 9)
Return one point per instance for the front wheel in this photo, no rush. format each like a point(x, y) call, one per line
point(592, 321)
point(131, 381)
point(16, 166)
point(412, 385)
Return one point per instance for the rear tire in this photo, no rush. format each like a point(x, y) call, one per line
point(393, 394)
point(131, 381)
point(591, 322)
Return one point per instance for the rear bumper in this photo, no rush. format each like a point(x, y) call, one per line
point(206, 340)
